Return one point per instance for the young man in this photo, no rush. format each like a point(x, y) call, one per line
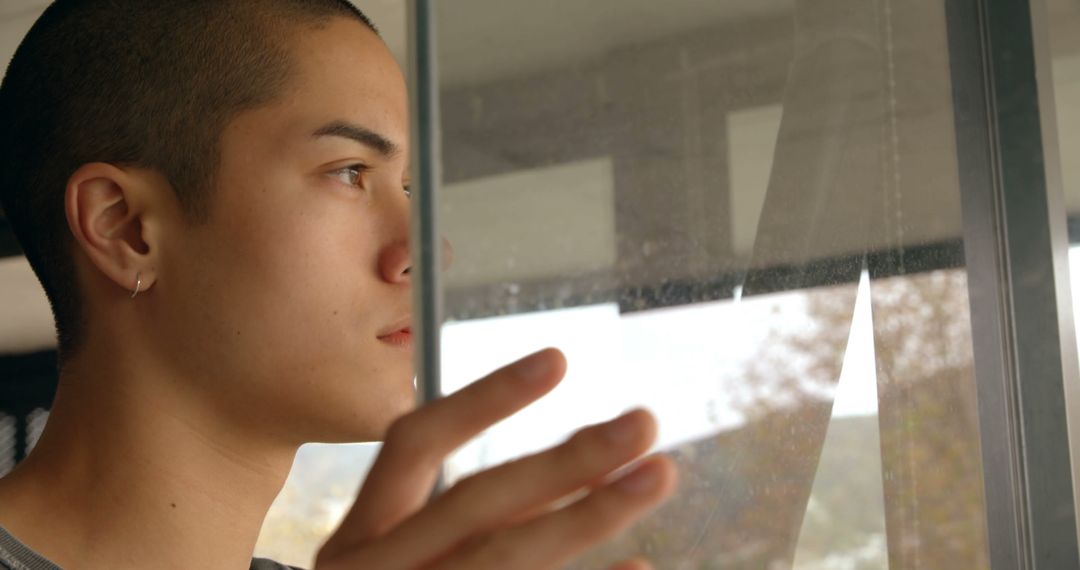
point(213, 195)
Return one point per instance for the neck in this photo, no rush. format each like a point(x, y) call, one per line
point(131, 471)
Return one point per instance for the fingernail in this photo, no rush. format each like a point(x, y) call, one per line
point(533, 368)
point(640, 481)
point(622, 429)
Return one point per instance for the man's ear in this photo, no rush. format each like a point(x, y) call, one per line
point(106, 208)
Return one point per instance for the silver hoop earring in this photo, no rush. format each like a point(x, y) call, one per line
point(138, 284)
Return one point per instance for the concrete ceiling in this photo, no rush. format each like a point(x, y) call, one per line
point(481, 40)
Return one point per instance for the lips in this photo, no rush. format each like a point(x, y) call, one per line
point(398, 334)
point(402, 337)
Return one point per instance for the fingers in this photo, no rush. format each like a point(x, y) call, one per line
point(500, 496)
point(554, 539)
point(401, 479)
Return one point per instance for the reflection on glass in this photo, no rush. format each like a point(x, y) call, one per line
point(1060, 88)
point(745, 217)
point(1062, 19)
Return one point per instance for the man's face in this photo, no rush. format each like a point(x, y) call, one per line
point(282, 301)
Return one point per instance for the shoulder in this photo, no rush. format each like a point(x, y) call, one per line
point(267, 564)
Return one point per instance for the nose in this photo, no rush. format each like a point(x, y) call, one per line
point(395, 263)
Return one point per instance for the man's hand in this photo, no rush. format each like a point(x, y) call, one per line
point(510, 516)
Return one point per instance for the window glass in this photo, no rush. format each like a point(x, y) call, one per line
point(1062, 70)
point(1062, 20)
point(1057, 32)
point(745, 217)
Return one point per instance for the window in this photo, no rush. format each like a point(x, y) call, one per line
point(752, 161)
point(778, 224)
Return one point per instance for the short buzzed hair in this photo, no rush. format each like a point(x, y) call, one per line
point(146, 83)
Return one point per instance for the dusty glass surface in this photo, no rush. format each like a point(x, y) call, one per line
point(1062, 37)
point(1058, 60)
point(1060, 71)
point(744, 216)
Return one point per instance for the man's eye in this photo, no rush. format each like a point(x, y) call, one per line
point(350, 175)
point(408, 191)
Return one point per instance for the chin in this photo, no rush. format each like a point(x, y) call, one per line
point(395, 408)
point(370, 419)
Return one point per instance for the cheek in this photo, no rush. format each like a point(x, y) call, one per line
point(281, 293)
point(309, 271)
point(299, 239)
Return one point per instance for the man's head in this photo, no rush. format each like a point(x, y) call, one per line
point(247, 159)
point(149, 83)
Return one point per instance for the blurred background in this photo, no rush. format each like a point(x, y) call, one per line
point(744, 215)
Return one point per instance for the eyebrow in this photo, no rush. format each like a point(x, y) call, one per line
point(362, 135)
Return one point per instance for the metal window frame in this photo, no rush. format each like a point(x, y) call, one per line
point(426, 175)
point(427, 291)
point(1015, 265)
